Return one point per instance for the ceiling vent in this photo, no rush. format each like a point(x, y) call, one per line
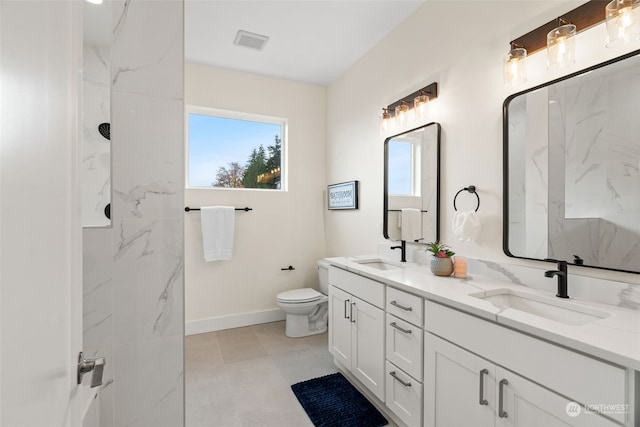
point(251, 40)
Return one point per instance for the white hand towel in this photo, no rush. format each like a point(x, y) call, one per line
point(466, 225)
point(411, 224)
point(217, 232)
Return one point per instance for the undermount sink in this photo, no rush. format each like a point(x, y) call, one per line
point(539, 305)
point(378, 263)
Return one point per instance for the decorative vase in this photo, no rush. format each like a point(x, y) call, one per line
point(441, 266)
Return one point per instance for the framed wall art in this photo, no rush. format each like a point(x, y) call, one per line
point(343, 195)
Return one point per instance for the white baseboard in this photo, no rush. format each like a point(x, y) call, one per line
point(233, 321)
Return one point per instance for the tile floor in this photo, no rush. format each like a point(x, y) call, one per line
point(242, 377)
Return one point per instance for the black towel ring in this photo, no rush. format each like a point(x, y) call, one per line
point(470, 189)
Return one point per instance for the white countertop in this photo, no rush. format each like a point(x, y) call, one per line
point(615, 338)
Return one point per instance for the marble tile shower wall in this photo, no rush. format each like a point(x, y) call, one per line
point(96, 109)
point(597, 205)
point(592, 209)
point(133, 292)
point(528, 169)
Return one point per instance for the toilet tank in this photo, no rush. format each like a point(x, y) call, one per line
point(323, 276)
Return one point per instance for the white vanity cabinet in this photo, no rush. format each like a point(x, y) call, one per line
point(494, 376)
point(404, 344)
point(356, 327)
point(467, 390)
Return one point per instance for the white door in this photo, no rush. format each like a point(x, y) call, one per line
point(40, 231)
point(340, 325)
point(458, 386)
point(368, 346)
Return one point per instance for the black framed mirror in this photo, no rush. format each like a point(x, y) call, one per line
point(412, 185)
point(572, 168)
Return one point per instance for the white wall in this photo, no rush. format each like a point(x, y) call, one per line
point(284, 228)
point(467, 65)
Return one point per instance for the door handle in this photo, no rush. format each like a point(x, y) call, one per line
point(89, 365)
point(353, 320)
point(501, 412)
point(346, 303)
point(482, 400)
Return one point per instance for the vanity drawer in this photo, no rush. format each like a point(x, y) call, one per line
point(574, 375)
point(404, 305)
point(404, 346)
point(403, 395)
point(366, 289)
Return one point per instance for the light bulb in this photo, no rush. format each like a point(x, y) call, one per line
point(515, 70)
point(623, 22)
point(401, 115)
point(561, 46)
point(420, 103)
point(386, 123)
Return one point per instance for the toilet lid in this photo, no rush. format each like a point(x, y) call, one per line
point(299, 295)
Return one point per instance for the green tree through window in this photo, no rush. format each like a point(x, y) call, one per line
point(229, 152)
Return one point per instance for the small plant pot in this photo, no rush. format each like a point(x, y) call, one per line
point(441, 266)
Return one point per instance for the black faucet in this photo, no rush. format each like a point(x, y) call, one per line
point(561, 272)
point(403, 250)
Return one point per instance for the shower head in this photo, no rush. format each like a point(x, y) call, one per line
point(105, 130)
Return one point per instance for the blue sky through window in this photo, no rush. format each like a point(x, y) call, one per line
point(215, 142)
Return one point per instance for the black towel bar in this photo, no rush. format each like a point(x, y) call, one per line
point(187, 209)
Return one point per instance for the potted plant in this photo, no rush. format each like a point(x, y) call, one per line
point(441, 263)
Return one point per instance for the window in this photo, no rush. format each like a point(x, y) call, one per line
point(234, 150)
point(404, 169)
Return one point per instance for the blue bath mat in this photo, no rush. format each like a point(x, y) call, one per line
point(331, 401)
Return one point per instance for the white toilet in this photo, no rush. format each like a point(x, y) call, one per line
point(306, 308)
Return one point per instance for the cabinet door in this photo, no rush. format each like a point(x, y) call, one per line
point(368, 346)
point(459, 387)
point(340, 325)
point(526, 404)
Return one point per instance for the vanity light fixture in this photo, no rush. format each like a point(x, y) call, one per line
point(558, 36)
point(561, 45)
point(95, 1)
point(623, 21)
point(515, 67)
point(411, 108)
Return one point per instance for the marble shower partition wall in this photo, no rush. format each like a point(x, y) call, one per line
point(429, 186)
point(517, 171)
point(528, 175)
point(597, 213)
point(97, 310)
point(134, 288)
point(96, 149)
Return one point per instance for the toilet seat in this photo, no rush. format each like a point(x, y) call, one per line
point(299, 296)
